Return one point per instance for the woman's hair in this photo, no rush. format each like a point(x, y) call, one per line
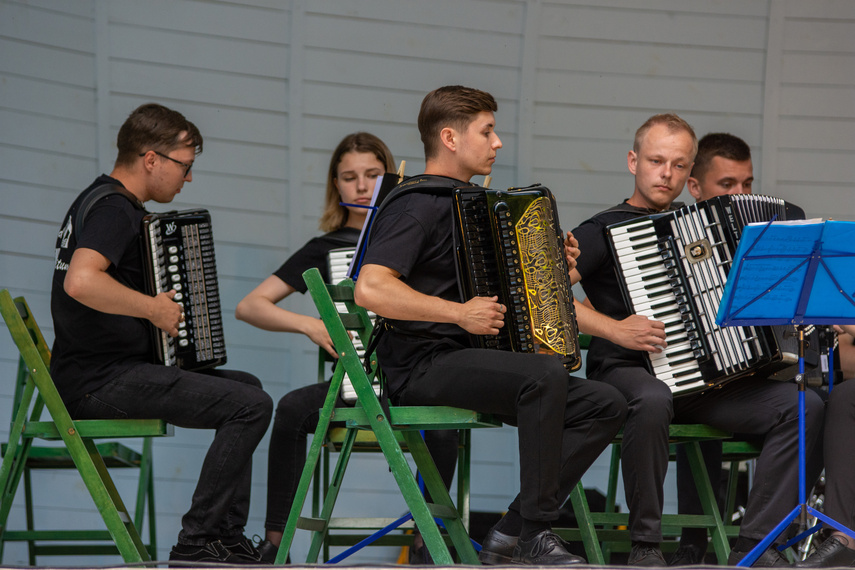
point(334, 215)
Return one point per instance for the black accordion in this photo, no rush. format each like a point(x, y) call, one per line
point(178, 250)
point(673, 267)
point(509, 245)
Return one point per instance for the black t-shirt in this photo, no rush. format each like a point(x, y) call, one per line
point(314, 254)
point(90, 346)
point(596, 265)
point(414, 236)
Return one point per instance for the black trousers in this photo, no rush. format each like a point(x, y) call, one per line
point(765, 408)
point(228, 401)
point(564, 423)
point(839, 459)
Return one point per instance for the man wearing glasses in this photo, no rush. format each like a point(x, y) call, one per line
point(101, 359)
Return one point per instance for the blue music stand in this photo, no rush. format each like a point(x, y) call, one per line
point(800, 273)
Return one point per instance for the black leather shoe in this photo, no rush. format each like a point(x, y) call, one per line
point(268, 552)
point(769, 559)
point(688, 555)
point(545, 549)
point(831, 553)
point(646, 555)
point(497, 548)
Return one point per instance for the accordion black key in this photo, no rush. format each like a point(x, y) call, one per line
point(509, 245)
point(178, 249)
point(673, 268)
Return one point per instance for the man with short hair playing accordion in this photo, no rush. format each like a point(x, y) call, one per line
point(101, 358)
point(661, 160)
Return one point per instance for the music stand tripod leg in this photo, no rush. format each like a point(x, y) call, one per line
point(802, 509)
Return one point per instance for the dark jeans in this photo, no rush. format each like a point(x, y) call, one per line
point(764, 408)
point(564, 423)
point(230, 402)
point(297, 416)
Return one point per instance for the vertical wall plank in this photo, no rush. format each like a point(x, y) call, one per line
point(772, 95)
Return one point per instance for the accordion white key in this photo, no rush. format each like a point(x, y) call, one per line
point(338, 263)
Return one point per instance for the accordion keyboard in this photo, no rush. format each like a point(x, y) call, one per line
point(673, 268)
point(339, 261)
point(649, 282)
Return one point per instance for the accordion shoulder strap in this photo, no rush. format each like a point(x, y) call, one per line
point(94, 196)
point(425, 184)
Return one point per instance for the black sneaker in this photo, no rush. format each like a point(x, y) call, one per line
point(646, 554)
point(243, 549)
point(212, 552)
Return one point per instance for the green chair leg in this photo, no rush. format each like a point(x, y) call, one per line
point(586, 527)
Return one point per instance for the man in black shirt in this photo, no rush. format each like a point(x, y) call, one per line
point(722, 166)
point(409, 277)
point(102, 351)
point(661, 160)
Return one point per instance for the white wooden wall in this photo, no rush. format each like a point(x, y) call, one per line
point(274, 85)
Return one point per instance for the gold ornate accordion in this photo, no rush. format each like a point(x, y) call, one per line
point(178, 250)
point(509, 245)
point(673, 267)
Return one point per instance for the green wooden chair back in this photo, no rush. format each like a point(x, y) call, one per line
point(395, 430)
point(35, 394)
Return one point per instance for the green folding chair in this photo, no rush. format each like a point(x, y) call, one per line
point(37, 394)
point(605, 532)
point(356, 532)
point(602, 533)
point(400, 426)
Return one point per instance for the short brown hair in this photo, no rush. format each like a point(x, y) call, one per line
point(724, 145)
point(155, 127)
point(335, 215)
point(673, 122)
point(452, 106)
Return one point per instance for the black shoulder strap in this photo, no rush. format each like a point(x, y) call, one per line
point(424, 183)
point(96, 194)
point(623, 207)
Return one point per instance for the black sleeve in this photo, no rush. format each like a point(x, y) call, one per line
point(594, 251)
point(110, 228)
point(313, 254)
point(399, 236)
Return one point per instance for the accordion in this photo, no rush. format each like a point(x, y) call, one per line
point(338, 262)
point(509, 245)
point(673, 267)
point(178, 251)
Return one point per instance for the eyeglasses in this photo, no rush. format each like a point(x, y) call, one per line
point(184, 164)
